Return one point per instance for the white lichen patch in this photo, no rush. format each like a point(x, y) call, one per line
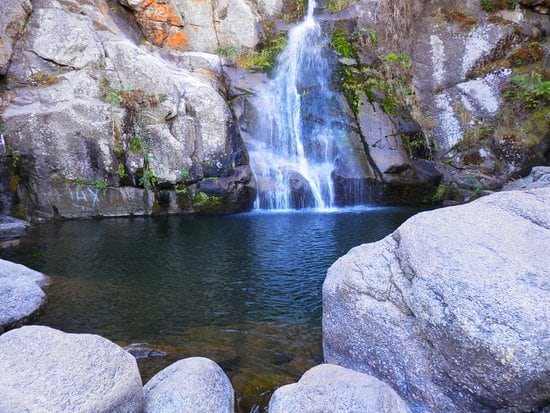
point(438, 59)
point(475, 47)
point(484, 92)
point(448, 123)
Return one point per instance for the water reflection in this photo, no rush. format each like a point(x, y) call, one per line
point(244, 290)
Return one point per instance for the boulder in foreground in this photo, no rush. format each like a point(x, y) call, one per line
point(330, 388)
point(46, 370)
point(191, 385)
point(452, 308)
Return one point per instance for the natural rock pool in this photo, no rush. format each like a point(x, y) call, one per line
point(243, 290)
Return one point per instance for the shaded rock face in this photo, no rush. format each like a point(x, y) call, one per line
point(330, 388)
point(21, 293)
point(465, 62)
point(462, 72)
point(399, 178)
point(195, 384)
point(100, 125)
point(47, 370)
point(449, 309)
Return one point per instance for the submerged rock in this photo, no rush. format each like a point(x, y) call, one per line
point(144, 351)
point(21, 293)
point(192, 385)
point(450, 309)
point(330, 388)
point(48, 370)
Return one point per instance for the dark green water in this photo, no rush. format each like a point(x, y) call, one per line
point(244, 290)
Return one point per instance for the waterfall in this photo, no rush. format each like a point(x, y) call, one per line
point(301, 125)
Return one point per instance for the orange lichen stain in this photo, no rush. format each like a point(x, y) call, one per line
point(196, 29)
point(177, 40)
point(157, 37)
point(208, 73)
point(163, 13)
point(103, 8)
point(198, 1)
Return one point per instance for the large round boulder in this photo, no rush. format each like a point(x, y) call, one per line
point(46, 370)
point(330, 388)
point(191, 385)
point(452, 308)
point(21, 293)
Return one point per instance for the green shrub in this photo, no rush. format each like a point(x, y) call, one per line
point(149, 181)
point(531, 89)
point(494, 5)
point(121, 171)
point(337, 5)
point(135, 144)
point(99, 184)
point(341, 44)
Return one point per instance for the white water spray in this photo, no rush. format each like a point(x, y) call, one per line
point(295, 149)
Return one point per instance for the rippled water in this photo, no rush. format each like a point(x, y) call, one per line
point(244, 290)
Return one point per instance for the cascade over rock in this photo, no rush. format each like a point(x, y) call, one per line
point(102, 108)
point(301, 133)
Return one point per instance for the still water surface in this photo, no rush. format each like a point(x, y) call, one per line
point(244, 290)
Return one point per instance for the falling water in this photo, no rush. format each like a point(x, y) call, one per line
point(297, 145)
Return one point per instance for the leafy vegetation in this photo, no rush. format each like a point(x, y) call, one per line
point(99, 184)
point(341, 44)
point(13, 156)
point(44, 79)
point(495, 5)
point(135, 144)
point(121, 171)
point(293, 10)
point(255, 60)
point(337, 5)
point(201, 200)
point(373, 37)
point(385, 82)
point(441, 193)
point(525, 55)
point(148, 180)
point(115, 97)
point(531, 89)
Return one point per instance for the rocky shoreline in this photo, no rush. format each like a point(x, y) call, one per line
point(449, 311)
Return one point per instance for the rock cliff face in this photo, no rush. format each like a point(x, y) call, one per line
point(470, 73)
point(114, 108)
point(98, 124)
point(449, 309)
